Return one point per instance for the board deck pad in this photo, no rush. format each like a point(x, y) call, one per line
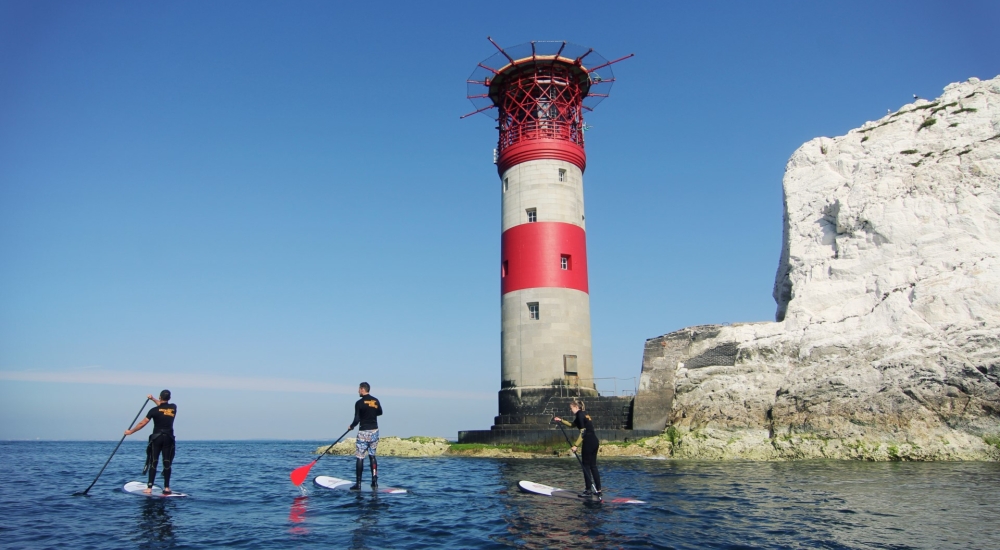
point(137, 488)
point(539, 489)
point(338, 484)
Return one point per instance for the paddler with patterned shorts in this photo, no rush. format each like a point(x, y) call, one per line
point(366, 413)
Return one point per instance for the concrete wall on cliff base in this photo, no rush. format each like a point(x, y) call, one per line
point(887, 340)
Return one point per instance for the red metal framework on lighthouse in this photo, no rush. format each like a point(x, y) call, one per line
point(538, 93)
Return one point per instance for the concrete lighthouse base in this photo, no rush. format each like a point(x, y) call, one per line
point(527, 419)
point(551, 436)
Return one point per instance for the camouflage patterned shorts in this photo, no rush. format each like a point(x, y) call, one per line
point(366, 443)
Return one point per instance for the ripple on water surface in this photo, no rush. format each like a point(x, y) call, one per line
point(241, 498)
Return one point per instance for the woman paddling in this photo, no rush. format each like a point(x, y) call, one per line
point(583, 422)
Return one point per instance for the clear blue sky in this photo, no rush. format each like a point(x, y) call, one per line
point(261, 204)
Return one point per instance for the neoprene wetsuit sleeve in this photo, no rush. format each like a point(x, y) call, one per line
point(357, 414)
point(578, 423)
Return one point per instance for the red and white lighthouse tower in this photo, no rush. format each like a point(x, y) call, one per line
point(538, 93)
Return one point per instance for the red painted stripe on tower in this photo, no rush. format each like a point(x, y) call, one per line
point(531, 256)
point(538, 149)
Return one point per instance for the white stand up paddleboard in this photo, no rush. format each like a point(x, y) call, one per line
point(137, 488)
point(539, 489)
point(338, 484)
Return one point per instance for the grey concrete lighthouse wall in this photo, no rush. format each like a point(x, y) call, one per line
point(532, 350)
point(535, 184)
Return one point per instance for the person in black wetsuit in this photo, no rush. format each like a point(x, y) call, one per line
point(366, 413)
point(583, 422)
point(161, 442)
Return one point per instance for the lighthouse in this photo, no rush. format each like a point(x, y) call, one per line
point(538, 94)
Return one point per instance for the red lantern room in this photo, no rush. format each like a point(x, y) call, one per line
point(538, 93)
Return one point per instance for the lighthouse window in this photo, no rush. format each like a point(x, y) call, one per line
point(533, 310)
point(503, 269)
point(564, 262)
point(562, 175)
point(505, 183)
point(532, 215)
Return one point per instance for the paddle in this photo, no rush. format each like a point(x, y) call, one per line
point(84, 492)
point(299, 474)
point(585, 473)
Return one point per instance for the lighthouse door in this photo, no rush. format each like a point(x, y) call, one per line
point(569, 370)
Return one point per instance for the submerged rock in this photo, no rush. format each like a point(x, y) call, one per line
point(887, 340)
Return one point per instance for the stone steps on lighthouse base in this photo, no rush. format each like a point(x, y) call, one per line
point(552, 437)
point(532, 425)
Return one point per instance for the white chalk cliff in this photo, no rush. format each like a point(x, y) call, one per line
point(887, 340)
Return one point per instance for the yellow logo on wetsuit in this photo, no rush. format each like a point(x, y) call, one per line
point(373, 404)
point(167, 412)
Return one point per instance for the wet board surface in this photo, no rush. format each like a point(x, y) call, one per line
point(539, 489)
point(338, 484)
point(137, 488)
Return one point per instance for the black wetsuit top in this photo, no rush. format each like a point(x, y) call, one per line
point(163, 418)
point(366, 412)
point(589, 436)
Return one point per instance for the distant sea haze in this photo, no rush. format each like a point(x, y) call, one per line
point(98, 375)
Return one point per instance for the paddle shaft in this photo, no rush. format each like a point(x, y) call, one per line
point(114, 451)
point(299, 474)
point(328, 449)
point(570, 444)
point(586, 475)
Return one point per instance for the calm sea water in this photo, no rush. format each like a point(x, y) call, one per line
point(241, 498)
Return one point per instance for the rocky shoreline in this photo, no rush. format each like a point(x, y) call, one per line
point(421, 447)
point(706, 444)
point(886, 339)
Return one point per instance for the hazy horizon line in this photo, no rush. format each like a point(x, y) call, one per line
point(100, 376)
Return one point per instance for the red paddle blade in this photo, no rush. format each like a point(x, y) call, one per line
point(299, 474)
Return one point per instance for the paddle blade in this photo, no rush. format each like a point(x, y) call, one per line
point(299, 474)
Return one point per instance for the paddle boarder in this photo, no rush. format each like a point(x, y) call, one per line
point(583, 422)
point(366, 413)
point(161, 442)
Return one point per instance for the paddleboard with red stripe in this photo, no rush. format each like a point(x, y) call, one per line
point(545, 490)
point(338, 484)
